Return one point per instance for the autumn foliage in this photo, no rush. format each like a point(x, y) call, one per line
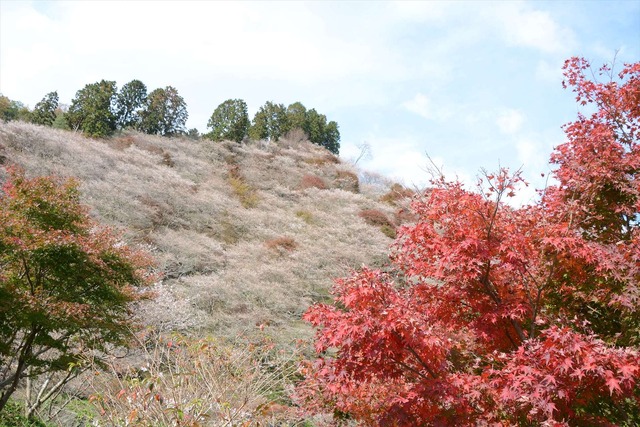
point(66, 284)
point(495, 315)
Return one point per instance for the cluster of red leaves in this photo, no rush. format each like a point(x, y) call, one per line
point(500, 315)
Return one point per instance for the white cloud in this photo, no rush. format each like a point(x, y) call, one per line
point(510, 121)
point(547, 72)
point(420, 11)
point(424, 107)
point(523, 26)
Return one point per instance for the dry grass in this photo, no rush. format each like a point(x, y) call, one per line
point(178, 381)
point(214, 216)
point(219, 276)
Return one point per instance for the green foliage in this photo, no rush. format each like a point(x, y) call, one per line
point(229, 121)
point(331, 137)
point(44, 113)
point(322, 133)
point(270, 122)
point(13, 416)
point(297, 115)
point(314, 125)
point(165, 113)
point(91, 110)
point(129, 103)
point(193, 134)
point(13, 110)
point(60, 121)
point(66, 283)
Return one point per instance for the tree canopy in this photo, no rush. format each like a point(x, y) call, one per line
point(130, 101)
point(92, 110)
point(230, 120)
point(65, 283)
point(13, 110)
point(320, 132)
point(499, 315)
point(270, 122)
point(44, 113)
point(165, 113)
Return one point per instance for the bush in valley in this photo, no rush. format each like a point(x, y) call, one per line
point(305, 215)
point(246, 193)
point(194, 382)
point(13, 416)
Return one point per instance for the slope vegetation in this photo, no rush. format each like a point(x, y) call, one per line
point(246, 236)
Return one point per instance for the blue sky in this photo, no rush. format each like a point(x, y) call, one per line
point(473, 84)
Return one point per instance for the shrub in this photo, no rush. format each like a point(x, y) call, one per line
point(296, 135)
point(375, 217)
point(13, 416)
point(348, 181)
point(388, 230)
point(247, 194)
point(327, 159)
point(188, 382)
point(312, 181)
point(167, 159)
point(396, 193)
point(404, 216)
point(306, 216)
point(282, 244)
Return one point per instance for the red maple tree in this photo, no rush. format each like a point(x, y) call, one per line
point(495, 315)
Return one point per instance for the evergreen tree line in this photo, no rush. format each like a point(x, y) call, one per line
point(230, 121)
point(99, 109)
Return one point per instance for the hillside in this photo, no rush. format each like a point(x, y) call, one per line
point(243, 237)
